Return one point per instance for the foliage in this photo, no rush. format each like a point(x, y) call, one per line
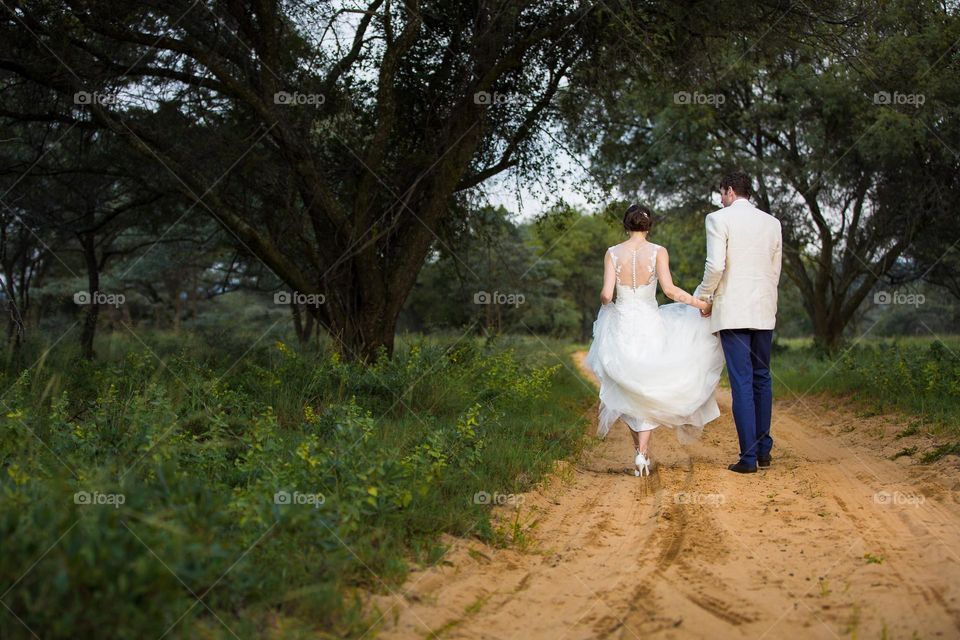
point(275, 487)
point(919, 377)
point(837, 139)
point(331, 143)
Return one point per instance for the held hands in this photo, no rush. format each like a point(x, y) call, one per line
point(703, 303)
point(705, 306)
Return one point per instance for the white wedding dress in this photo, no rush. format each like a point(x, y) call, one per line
point(656, 365)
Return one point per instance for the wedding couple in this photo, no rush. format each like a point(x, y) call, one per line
point(661, 365)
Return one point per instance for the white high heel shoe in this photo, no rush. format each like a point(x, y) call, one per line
point(642, 464)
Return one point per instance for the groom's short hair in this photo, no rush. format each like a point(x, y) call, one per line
point(739, 182)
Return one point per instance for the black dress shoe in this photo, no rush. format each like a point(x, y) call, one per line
point(742, 468)
point(763, 461)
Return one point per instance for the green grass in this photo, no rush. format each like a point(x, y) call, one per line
point(940, 451)
point(200, 437)
point(914, 376)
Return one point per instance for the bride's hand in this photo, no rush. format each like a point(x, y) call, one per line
point(698, 303)
point(705, 304)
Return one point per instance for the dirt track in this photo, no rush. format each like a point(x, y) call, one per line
point(835, 540)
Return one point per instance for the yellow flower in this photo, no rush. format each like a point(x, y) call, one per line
point(19, 476)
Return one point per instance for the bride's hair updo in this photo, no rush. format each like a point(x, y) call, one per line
point(637, 218)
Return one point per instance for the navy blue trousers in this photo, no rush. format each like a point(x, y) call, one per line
point(747, 352)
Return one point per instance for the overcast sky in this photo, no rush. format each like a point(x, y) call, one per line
point(528, 199)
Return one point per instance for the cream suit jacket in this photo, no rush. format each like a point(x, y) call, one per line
point(744, 252)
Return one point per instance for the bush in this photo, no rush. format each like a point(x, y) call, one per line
point(918, 377)
point(209, 496)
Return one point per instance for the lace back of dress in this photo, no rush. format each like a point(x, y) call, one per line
point(635, 267)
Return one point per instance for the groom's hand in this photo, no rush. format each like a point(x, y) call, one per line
point(706, 311)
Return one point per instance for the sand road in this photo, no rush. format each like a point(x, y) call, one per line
point(835, 540)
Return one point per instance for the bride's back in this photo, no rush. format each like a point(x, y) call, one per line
point(635, 265)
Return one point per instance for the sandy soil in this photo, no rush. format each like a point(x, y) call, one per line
point(835, 540)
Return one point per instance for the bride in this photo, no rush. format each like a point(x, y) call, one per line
point(656, 365)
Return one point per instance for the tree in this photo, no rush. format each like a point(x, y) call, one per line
point(933, 184)
point(490, 277)
point(827, 132)
point(571, 245)
point(87, 196)
point(25, 245)
point(332, 142)
point(329, 141)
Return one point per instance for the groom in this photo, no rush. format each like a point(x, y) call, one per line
point(744, 247)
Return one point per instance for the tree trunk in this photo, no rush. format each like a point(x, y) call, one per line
point(362, 335)
point(827, 337)
point(15, 320)
point(177, 310)
point(365, 344)
point(92, 312)
point(308, 328)
point(828, 325)
point(298, 327)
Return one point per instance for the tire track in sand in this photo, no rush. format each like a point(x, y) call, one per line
point(803, 549)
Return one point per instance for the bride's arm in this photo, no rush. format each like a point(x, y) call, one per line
point(666, 283)
point(609, 279)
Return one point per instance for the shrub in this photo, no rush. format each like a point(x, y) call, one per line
point(277, 485)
